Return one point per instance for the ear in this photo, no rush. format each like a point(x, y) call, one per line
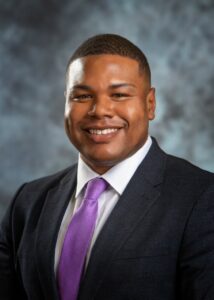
point(151, 103)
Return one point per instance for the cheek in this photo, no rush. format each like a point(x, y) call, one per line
point(135, 116)
point(67, 109)
point(72, 114)
point(70, 120)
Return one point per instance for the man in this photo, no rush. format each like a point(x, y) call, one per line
point(152, 236)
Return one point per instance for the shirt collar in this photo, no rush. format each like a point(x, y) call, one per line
point(118, 176)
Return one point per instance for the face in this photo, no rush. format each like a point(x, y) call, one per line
point(108, 107)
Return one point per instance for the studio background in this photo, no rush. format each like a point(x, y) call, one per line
point(36, 41)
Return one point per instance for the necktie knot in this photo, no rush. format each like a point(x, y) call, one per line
point(95, 188)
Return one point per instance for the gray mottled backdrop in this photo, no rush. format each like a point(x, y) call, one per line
point(36, 40)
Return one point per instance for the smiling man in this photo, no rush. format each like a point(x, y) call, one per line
point(109, 102)
point(128, 221)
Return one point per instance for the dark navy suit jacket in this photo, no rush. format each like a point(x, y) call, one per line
point(157, 244)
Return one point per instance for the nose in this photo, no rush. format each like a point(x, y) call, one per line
point(101, 107)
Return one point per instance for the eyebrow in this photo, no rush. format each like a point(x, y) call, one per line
point(118, 85)
point(112, 86)
point(81, 87)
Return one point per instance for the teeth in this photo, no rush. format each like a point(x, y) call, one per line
point(103, 131)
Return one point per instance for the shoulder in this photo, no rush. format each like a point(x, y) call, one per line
point(187, 187)
point(178, 175)
point(177, 171)
point(180, 168)
point(188, 184)
point(35, 191)
point(51, 180)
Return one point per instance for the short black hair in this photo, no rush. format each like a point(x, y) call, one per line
point(112, 44)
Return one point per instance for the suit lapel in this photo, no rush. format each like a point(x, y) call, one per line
point(139, 196)
point(54, 208)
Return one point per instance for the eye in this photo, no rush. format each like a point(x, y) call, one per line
point(81, 98)
point(119, 96)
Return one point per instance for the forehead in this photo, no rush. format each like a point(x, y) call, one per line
point(103, 67)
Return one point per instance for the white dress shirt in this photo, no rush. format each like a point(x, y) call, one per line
point(118, 177)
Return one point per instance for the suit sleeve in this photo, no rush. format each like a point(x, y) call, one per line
point(197, 251)
point(10, 287)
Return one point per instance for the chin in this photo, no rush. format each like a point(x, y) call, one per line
point(103, 160)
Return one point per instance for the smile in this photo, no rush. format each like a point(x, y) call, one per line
point(103, 131)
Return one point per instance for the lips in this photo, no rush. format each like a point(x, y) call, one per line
point(104, 131)
point(102, 134)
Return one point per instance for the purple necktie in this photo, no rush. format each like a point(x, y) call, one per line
point(77, 241)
